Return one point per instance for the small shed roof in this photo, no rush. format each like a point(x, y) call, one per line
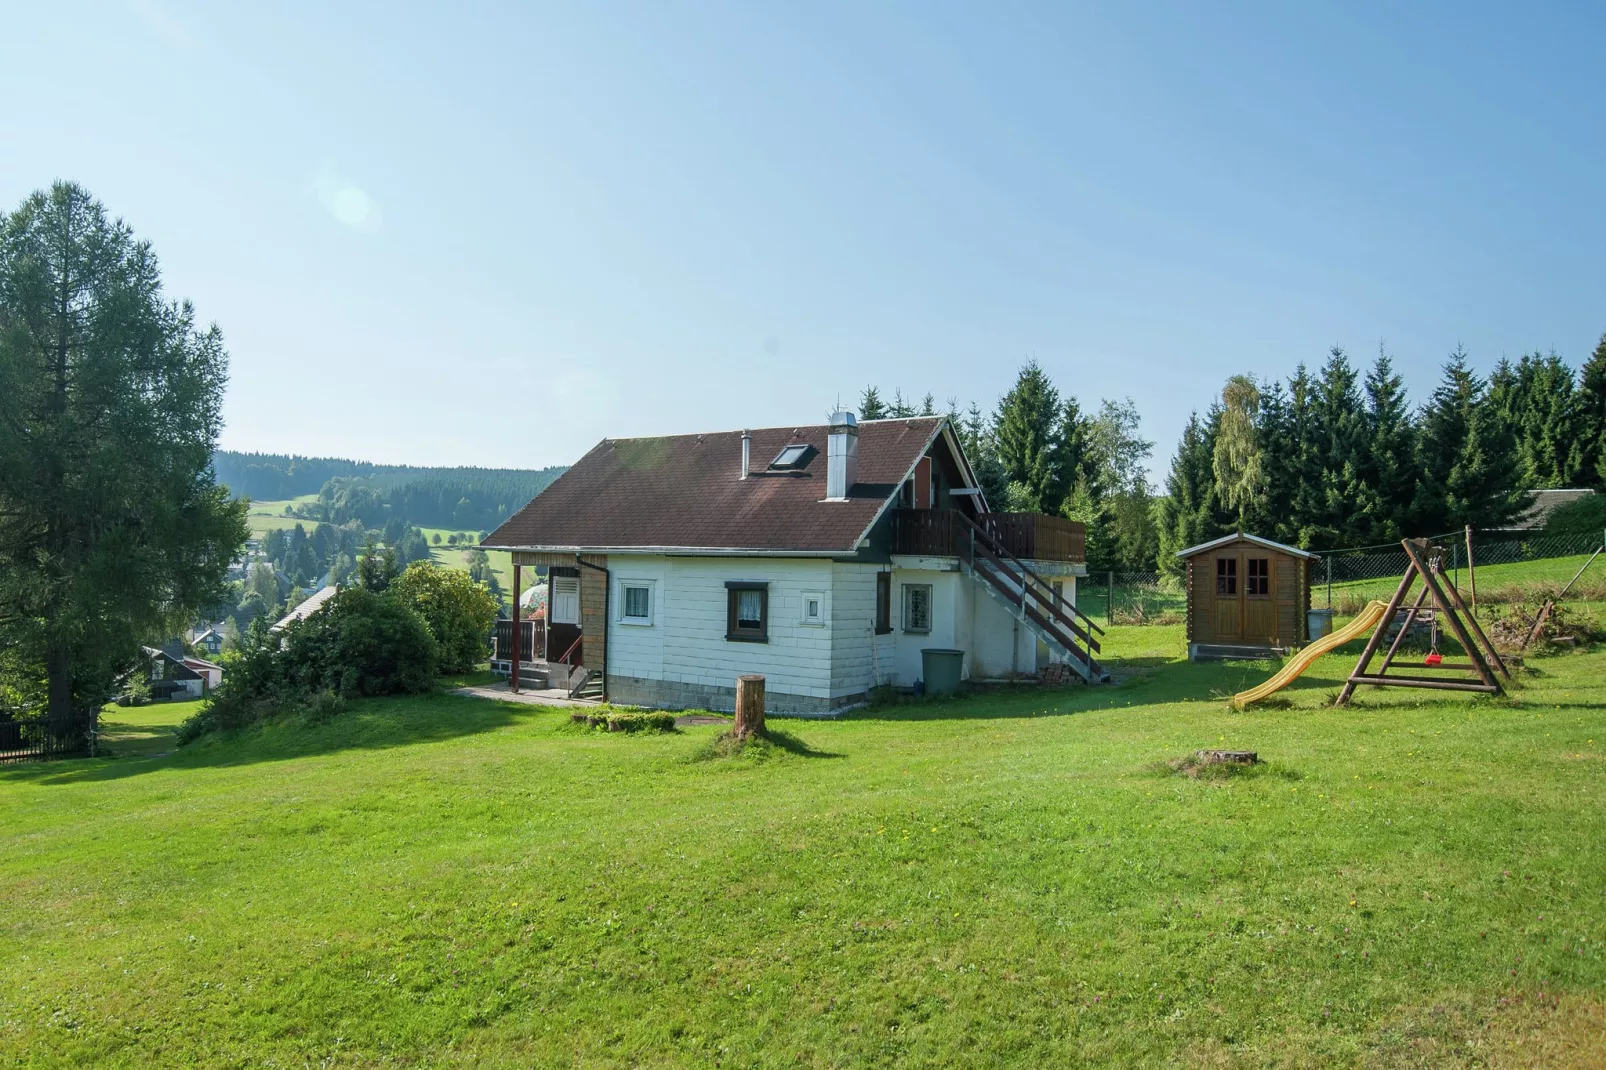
point(305, 609)
point(1256, 539)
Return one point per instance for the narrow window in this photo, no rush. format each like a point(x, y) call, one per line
point(883, 603)
point(917, 607)
point(813, 608)
point(1226, 575)
point(1259, 578)
point(747, 612)
point(565, 600)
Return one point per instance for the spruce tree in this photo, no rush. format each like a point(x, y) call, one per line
point(1025, 434)
point(871, 407)
point(1389, 470)
point(1590, 413)
point(1467, 468)
point(975, 437)
point(1304, 462)
point(1340, 429)
point(1186, 515)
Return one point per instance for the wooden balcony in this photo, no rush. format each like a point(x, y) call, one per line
point(1029, 536)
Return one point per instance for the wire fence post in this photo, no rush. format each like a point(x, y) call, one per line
point(1109, 602)
point(1329, 581)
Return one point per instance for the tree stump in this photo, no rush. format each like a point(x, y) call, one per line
point(749, 707)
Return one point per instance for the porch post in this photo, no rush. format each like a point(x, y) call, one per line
point(518, 628)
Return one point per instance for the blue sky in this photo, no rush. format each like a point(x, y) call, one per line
point(497, 233)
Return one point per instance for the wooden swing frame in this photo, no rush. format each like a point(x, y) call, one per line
point(1428, 566)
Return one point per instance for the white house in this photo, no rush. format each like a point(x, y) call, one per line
point(826, 558)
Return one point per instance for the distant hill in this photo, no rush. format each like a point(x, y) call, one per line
point(461, 498)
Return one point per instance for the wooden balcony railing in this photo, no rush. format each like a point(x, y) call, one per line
point(1029, 536)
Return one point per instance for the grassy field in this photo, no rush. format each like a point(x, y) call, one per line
point(1504, 582)
point(264, 517)
point(1014, 879)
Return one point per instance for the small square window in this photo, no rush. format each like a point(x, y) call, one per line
point(813, 608)
point(637, 608)
point(1258, 582)
point(917, 607)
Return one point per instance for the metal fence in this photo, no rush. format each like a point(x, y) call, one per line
point(1132, 598)
point(25, 737)
point(1497, 567)
point(1508, 567)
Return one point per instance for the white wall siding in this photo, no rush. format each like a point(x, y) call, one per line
point(860, 659)
point(686, 641)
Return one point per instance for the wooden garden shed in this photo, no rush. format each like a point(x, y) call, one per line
point(1248, 597)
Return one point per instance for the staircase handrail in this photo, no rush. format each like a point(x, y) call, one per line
point(1005, 552)
point(999, 555)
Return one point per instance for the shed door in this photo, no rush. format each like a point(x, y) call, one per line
point(1229, 597)
point(1260, 603)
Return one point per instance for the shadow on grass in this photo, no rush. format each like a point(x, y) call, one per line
point(365, 724)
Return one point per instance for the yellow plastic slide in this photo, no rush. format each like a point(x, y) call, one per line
point(1301, 661)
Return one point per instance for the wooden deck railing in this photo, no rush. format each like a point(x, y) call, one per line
point(1029, 536)
point(532, 644)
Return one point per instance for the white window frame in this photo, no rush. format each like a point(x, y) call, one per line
point(930, 613)
point(629, 582)
point(818, 620)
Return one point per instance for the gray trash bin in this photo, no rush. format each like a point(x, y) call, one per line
point(942, 669)
point(1319, 621)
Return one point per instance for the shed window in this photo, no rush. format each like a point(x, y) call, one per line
point(747, 612)
point(883, 603)
point(1258, 582)
point(1226, 575)
point(917, 607)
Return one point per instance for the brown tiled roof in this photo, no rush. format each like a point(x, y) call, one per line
point(683, 492)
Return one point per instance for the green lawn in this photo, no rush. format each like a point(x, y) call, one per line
point(1005, 880)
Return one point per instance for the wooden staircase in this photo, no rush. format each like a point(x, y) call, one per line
point(1062, 627)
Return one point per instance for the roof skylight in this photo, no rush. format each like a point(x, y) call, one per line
point(792, 457)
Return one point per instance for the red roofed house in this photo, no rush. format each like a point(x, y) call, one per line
point(826, 558)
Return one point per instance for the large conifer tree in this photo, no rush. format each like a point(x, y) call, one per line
point(1590, 407)
point(1388, 462)
point(112, 529)
point(1025, 432)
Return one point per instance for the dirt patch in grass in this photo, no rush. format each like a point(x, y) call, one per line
point(1515, 1030)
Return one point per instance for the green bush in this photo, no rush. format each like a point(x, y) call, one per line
point(360, 643)
point(458, 611)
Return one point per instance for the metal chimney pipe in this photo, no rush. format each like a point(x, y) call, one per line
point(747, 452)
point(841, 456)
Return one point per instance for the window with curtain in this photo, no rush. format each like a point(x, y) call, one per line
point(747, 612)
point(637, 602)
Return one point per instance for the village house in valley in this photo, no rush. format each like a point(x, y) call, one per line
point(826, 558)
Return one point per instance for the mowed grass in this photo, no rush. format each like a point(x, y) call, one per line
point(1012, 879)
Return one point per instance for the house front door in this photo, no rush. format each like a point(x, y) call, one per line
point(1229, 597)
